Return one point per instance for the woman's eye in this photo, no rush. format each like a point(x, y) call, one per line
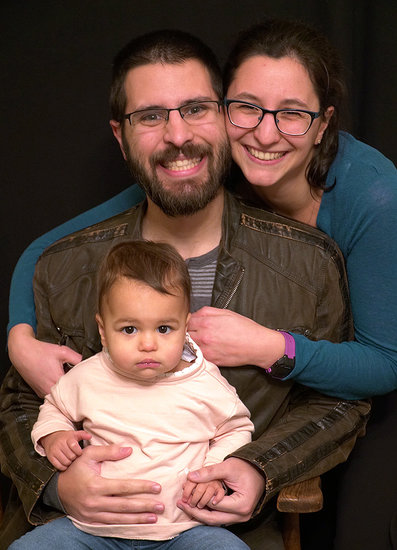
point(164, 329)
point(128, 330)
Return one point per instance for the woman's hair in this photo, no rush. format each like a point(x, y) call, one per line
point(156, 264)
point(278, 38)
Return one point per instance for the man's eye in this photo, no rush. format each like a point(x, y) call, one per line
point(128, 330)
point(196, 109)
point(164, 329)
point(151, 117)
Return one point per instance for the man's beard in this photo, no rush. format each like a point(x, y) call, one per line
point(189, 195)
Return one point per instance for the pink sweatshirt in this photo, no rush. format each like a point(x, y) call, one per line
point(182, 421)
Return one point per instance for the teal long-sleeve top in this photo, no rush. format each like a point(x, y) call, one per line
point(360, 214)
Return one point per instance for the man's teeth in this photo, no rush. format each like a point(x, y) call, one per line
point(185, 164)
point(264, 156)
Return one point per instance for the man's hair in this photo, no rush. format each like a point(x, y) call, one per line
point(284, 38)
point(164, 46)
point(158, 265)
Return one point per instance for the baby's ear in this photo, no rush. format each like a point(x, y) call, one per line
point(101, 329)
point(188, 319)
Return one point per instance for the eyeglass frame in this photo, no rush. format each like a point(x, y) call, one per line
point(313, 115)
point(128, 115)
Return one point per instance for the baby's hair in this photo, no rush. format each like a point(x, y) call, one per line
point(158, 265)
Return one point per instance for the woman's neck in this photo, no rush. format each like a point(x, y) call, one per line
point(299, 203)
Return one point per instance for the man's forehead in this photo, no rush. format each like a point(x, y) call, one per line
point(168, 84)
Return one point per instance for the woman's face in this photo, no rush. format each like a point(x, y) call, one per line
point(266, 156)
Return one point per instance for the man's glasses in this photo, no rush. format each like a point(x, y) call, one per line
point(198, 112)
point(292, 122)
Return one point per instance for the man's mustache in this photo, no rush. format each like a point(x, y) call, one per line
point(171, 153)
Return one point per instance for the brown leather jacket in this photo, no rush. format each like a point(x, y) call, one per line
point(280, 273)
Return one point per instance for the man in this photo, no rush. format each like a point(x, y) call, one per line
point(167, 118)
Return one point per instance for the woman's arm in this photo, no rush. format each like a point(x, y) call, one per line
point(360, 214)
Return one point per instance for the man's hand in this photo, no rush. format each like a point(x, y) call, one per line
point(241, 477)
point(91, 498)
point(62, 447)
point(229, 339)
point(40, 364)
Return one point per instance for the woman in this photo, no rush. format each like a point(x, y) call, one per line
point(284, 93)
point(300, 166)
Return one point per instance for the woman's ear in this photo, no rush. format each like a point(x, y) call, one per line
point(324, 124)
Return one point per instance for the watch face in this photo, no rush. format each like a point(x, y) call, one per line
point(282, 368)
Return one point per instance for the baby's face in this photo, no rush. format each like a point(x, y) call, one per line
point(143, 330)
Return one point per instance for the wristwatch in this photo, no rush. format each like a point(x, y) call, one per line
point(284, 366)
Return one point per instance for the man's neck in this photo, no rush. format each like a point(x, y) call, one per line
point(191, 235)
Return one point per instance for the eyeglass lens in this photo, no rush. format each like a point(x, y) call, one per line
point(292, 122)
point(192, 113)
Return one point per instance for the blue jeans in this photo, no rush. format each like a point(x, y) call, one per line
point(61, 534)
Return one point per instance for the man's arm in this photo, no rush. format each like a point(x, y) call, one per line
point(28, 471)
point(313, 436)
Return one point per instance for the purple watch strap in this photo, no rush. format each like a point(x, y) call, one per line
point(289, 344)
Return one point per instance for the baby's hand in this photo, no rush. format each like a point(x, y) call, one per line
point(62, 447)
point(202, 494)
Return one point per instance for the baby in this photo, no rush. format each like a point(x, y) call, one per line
point(149, 389)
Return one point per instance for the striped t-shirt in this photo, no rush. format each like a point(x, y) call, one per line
point(202, 274)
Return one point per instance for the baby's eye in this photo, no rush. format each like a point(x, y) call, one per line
point(128, 330)
point(164, 329)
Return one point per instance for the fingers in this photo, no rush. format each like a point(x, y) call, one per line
point(81, 435)
point(210, 517)
point(67, 355)
point(99, 453)
point(218, 496)
point(118, 510)
point(201, 496)
point(129, 487)
point(208, 473)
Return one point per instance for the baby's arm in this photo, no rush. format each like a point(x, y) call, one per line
point(62, 447)
point(202, 494)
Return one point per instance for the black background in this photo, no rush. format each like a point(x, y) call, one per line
point(58, 155)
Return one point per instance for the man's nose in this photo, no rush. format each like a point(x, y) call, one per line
point(177, 130)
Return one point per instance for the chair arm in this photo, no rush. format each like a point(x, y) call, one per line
point(300, 498)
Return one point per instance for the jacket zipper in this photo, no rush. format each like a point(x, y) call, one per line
point(234, 289)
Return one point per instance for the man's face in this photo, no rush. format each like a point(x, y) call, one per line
point(180, 166)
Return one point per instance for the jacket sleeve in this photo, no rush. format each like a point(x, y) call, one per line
point(19, 408)
point(314, 435)
point(29, 472)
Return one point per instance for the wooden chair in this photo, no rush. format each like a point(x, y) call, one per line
point(302, 498)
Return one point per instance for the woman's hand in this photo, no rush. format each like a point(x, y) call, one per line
point(40, 364)
point(229, 339)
